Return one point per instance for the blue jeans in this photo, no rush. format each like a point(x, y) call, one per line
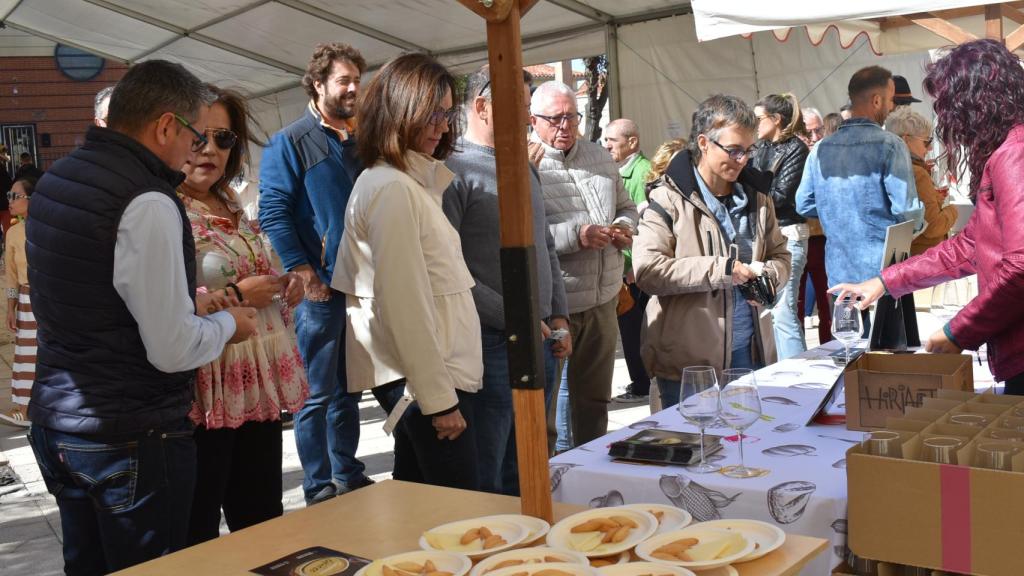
point(327, 426)
point(562, 418)
point(789, 331)
point(492, 407)
point(123, 499)
point(670, 391)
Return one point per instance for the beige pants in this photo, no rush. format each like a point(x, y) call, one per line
point(591, 366)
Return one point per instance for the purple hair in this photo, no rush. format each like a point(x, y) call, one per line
point(978, 89)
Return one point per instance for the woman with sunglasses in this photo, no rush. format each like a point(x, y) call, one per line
point(916, 131)
point(411, 320)
point(240, 396)
point(19, 308)
point(709, 228)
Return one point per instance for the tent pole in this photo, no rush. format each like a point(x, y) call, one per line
point(611, 50)
point(518, 257)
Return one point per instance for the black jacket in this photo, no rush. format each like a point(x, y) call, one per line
point(785, 162)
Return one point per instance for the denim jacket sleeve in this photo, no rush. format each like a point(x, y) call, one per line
point(280, 187)
point(900, 187)
point(805, 202)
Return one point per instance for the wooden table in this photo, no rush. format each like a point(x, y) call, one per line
point(387, 518)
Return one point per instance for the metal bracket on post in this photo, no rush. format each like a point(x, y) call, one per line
point(522, 320)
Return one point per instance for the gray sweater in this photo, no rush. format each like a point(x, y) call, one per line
point(471, 204)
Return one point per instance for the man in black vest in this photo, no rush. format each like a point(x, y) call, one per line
point(112, 276)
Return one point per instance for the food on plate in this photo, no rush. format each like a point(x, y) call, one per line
point(700, 549)
point(472, 540)
point(590, 534)
point(413, 569)
point(604, 561)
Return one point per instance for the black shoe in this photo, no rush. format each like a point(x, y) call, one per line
point(326, 493)
point(361, 482)
point(628, 397)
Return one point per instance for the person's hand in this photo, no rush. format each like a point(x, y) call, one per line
point(245, 323)
point(215, 301)
point(259, 291)
point(449, 426)
point(868, 291)
point(594, 237)
point(561, 349)
point(741, 273)
point(622, 238)
point(545, 331)
point(535, 152)
point(315, 290)
point(294, 289)
point(939, 343)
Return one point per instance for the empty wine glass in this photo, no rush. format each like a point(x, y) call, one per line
point(741, 407)
point(700, 405)
point(941, 449)
point(846, 325)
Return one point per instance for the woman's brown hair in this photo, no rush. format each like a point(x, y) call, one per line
point(397, 106)
point(243, 124)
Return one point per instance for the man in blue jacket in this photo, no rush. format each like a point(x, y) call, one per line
point(305, 180)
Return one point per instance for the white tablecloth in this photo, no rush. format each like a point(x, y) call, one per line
point(804, 493)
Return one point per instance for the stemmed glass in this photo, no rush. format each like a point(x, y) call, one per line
point(846, 323)
point(700, 406)
point(741, 407)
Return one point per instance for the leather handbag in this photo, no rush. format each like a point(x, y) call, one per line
point(626, 301)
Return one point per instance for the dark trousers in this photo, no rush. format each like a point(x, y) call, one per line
point(419, 455)
point(630, 325)
point(815, 270)
point(123, 499)
point(1015, 385)
point(239, 471)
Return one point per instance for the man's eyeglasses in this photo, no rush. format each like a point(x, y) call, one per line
point(570, 119)
point(12, 196)
point(926, 141)
point(222, 138)
point(445, 115)
point(200, 140)
point(735, 154)
point(483, 89)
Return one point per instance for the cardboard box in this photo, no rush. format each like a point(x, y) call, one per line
point(881, 385)
point(954, 518)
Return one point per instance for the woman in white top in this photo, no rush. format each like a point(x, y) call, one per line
point(411, 320)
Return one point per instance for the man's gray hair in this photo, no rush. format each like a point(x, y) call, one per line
point(625, 127)
point(905, 122)
point(546, 92)
point(808, 111)
point(152, 88)
point(478, 84)
point(101, 104)
point(715, 114)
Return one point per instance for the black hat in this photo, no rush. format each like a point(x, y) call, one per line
point(903, 95)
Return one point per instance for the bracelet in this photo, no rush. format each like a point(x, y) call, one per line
point(12, 293)
point(237, 290)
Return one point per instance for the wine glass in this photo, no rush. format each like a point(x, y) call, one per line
point(846, 323)
point(700, 406)
point(741, 407)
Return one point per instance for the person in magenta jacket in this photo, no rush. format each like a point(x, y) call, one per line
point(978, 88)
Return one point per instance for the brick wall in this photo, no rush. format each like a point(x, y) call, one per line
point(34, 91)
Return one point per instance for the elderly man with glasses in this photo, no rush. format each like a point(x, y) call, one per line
point(592, 219)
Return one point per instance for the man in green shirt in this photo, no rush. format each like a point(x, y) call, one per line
point(622, 140)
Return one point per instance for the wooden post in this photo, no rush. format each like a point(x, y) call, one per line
point(518, 258)
point(994, 22)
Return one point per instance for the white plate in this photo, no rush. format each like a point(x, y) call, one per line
point(720, 571)
point(530, 569)
point(457, 564)
point(641, 568)
point(514, 534)
point(766, 537)
point(672, 518)
point(621, 559)
point(698, 531)
point(527, 554)
point(558, 537)
point(536, 528)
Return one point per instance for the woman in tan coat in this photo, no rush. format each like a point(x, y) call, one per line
point(707, 230)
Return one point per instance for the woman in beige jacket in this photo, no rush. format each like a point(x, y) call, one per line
point(411, 320)
point(707, 230)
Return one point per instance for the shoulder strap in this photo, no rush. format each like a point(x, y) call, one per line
point(653, 205)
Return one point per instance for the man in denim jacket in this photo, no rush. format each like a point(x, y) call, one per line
point(859, 181)
point(305, 180)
